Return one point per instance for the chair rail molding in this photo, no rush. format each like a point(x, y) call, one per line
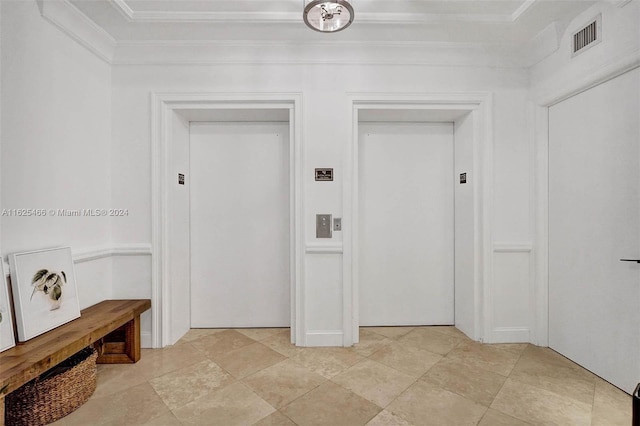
point(88, 254)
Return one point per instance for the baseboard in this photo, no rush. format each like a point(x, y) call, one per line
point(324, 338)
point(145, 340)
point(510, 335)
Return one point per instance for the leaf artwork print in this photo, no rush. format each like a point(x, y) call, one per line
point(50, 284)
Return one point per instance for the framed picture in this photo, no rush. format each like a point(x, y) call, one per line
point(44, 290)
point(7, 339)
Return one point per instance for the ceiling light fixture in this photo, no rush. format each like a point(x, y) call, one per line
point(328, 16)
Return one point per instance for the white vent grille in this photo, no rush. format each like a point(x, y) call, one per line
point(588, 36)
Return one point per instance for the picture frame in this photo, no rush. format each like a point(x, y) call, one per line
point(44, 290)
point(7, 337)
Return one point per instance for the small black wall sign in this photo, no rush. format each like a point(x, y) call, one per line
point(324, 175)
point(463, 178)
point(180, 179)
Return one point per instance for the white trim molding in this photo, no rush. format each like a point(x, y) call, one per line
point(87, 254)
point(480, 105)
point(312, 248)
point(163, 108)
point(72, 21)
point(520, 277)
point(512, 247)
point(93, 253)
point(324, 338)
point(283, 52)
point(79, 27)
point(288, 17)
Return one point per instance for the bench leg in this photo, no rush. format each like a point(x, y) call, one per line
point(127, 352)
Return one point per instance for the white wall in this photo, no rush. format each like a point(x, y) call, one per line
point(326, 129)
point(56, 137)
point(560, 73)
point(98, 147)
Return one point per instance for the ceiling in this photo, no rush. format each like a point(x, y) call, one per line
point(456, 21)
point(503, 33)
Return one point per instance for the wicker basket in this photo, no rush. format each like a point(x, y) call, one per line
point(55, 393)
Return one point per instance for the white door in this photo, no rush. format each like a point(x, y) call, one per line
point(594, 221)
point(406, 221)
point(240, 225)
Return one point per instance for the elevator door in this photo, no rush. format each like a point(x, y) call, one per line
point(406, 224)
point(240, 274)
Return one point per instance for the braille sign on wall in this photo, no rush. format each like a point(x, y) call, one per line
point(324, 174)
point(463, 178)
point(180, 179)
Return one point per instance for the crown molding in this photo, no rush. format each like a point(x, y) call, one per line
point(124, 9)
point(622, 3)
point(522, 9)
point(79, 27)
point(294, 17)
point(256, 52)
point(318, 52)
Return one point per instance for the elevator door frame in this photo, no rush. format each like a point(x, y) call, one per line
point(479, 105)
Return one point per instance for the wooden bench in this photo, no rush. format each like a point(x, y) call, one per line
point(112, 326)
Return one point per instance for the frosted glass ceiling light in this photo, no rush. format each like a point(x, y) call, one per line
point(328, 16)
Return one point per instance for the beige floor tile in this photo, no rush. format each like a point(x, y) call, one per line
point(113, 378)
point(496, 418)
point(135, 406)
point(474, 383)
point(275, 419)
point(390, 332)
point(425, 402)
point(373, 381)
point(370, 342)
point(259, 334)
point(427, 339)
point(538, 357)
point(198, 333)
point(247, 360)
point(166, 420)
point(611, 406)
point(187, 384)
point(540, 406)
point(543, 387)
point(548, 370)
point(235, 404)
point(387, 418)
point(158, 362)
point(408, 359)
point(220, 343)
point(281, 343)
point(499, 358)
point(451, 331)
point(284, 382)
point(327, 362)
point(331, 404)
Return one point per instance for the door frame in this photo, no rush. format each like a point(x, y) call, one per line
point(552, 95)
point(163, 108)
point(480, 105)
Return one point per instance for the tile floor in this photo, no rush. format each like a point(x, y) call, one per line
point(394, 376)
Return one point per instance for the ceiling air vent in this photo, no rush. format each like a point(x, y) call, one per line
point(588, 36)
